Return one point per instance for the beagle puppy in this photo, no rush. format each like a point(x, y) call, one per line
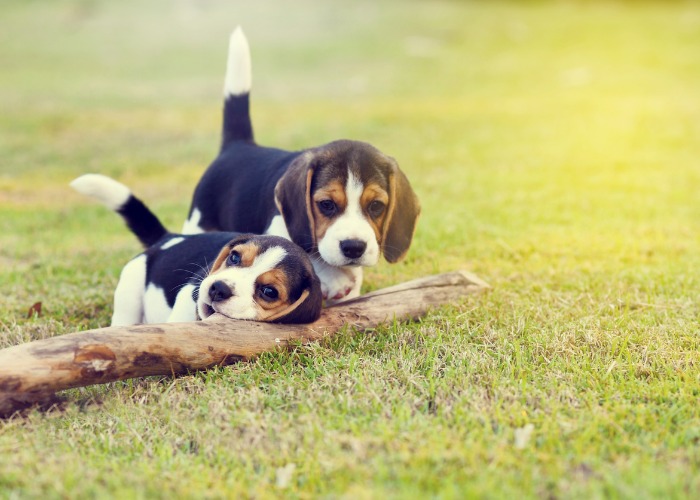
point(189, 277)
point(345, 203)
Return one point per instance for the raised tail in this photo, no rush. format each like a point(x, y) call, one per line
point(116, 196)
point(237, 125)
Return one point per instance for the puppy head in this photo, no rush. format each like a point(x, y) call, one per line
point(350, 202)
point(261, 278)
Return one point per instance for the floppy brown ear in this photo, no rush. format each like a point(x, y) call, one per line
point(293, 199)
point(306, 309)
point(401, 217)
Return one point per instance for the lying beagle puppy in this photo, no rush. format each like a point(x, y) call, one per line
point(345, 202)
point(189, 277)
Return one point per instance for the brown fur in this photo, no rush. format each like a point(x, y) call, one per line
point(220, 259)
point(374, 192)
point(247, 251)
point(278, 279)
point(399, 225)
point(285, 309)
point(334, 191)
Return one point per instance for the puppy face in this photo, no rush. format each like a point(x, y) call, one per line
point(261, 278)
point(349, 202)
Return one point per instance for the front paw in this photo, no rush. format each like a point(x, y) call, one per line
point(338, 287)
point(338, 283)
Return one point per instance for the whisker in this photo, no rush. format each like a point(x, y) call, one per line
point(205, 270)
point(196, 275)
point(197, 281)
point(187, 271)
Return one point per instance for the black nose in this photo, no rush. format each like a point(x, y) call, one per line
point(219, 291)
point(353, 249)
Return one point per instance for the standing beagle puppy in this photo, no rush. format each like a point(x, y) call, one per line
point(345, 203)
point(189, 277)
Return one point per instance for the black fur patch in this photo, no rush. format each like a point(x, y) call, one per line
point(142, 222)
point(237, 126)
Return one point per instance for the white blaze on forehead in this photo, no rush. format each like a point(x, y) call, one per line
point(268, 260)
point(353, 193)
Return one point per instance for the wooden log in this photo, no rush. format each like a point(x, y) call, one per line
point(31, 373)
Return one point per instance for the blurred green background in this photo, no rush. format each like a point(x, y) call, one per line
point(555, 146)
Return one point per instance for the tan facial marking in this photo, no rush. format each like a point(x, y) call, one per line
point(284, 309)
point(332, 191)
point(371, 193)
point(276, 278)
point(220, 259)
point(247, 251)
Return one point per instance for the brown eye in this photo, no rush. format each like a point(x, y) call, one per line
point(376, 208)
point(268, 292)
point(327, 207)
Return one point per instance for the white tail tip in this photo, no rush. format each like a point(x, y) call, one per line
point(238, 71)
point(111, 193)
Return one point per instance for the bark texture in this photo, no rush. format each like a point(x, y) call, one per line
point(32, 373)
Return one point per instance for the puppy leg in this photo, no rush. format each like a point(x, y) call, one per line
point(128, 297)
point(185, 308)
point(338, 282)
point(356, 273)
point(355, 292)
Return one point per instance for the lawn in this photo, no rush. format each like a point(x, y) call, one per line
point(555, 147)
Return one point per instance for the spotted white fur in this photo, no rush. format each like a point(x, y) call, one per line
point(191, 225)
point(241, 280)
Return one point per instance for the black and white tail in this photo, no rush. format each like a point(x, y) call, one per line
point(237, 125)
point(116, 196)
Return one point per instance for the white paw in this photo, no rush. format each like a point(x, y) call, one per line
point(336, 286)
point(338, 282)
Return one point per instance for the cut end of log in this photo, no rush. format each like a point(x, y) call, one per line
point(474, 281)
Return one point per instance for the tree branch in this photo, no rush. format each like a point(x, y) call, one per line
point(31, 373)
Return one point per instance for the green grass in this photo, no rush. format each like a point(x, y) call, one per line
point(556, 149)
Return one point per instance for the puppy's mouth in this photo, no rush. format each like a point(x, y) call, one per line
point(207, 310)
point(345, 261)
